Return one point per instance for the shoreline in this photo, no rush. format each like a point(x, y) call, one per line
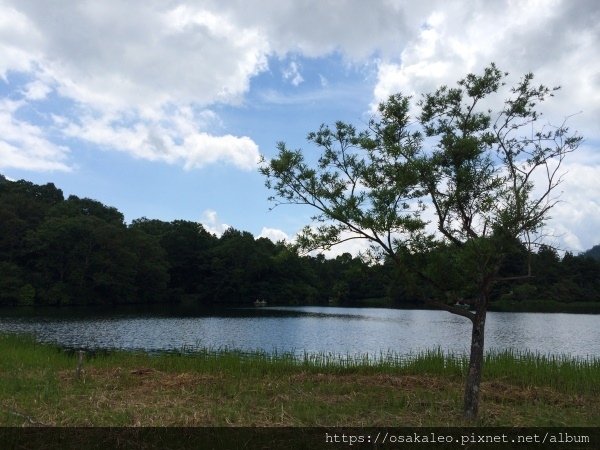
point(532, 306)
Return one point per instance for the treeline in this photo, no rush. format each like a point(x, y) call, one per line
point(570, 279)
point(57, 251)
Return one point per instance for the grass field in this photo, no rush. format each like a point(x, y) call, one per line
point(39, 386)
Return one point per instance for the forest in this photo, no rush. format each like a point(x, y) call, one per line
point(78, 251)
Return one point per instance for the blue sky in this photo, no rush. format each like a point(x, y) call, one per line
point(162, 108)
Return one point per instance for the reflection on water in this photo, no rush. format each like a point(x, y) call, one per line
point(354, 331)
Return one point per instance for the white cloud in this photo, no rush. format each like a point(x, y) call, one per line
point(318, 27)
point(211, 223)
point(203, 149)
point(24, 146)
point(131, 80)
point(124, 66)
point(36, 90)
point(19, 41)
point(355, 247)
point(274, 234)
point(116, 55)
point(575, 220)
point(292, 74)
point(173, 139)
point(101, 56)
point(557, 41)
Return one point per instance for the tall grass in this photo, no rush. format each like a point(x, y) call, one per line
point(22, 355)
point(562, 372)
point(523, 368)
point(20, 352)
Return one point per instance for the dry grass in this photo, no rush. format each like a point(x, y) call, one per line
point(144, 396)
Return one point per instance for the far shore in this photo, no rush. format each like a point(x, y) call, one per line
point(527, 306)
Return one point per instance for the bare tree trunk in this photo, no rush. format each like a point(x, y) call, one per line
point(471, 405)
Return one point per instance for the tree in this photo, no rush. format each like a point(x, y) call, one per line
point(151, 266)
point(186, 245)
point(446, 196)
point(23, 206)
point(83, 259)
point(86, 207)
point(593, 252)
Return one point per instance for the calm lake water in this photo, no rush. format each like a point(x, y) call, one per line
point(354, 331)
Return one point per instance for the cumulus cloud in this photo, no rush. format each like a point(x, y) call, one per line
point(113, 54)
point(575, 220)
point(274, 234)
point(352, 246)
point(98, 56)
point(25, 146)
point(174, 140)
point(313, 28)
point(130, 79)
point(355, 247)
point(19, 41)
point(36, 90)
point(211, 223)
point(557, 41)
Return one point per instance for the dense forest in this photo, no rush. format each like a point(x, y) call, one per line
point(77, 251)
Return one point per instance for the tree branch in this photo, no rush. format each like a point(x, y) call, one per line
point(450, 308)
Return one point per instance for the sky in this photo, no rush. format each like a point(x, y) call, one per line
point(163, 108)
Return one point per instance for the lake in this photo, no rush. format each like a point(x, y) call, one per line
point(313, 329)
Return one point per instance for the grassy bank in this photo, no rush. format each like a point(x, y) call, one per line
point(38, 385)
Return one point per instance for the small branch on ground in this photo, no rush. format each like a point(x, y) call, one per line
point(28, 418)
